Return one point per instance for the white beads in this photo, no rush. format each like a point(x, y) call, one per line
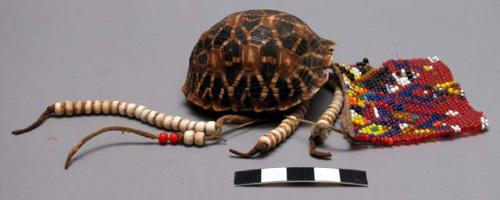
point(68, 108)
point(96, 106)
point(122, 108)
point(191, 125)
point(175, 123)
point(265, 140)
point(167, 122)
point(199, 138)
point(199, 127)
point(138, 111)
point(159, 120)
point(114, 107)
point(183, 124)
point(106, 107)
point(78, 106)
point(144, 115)
point(130, 109)
point(210, 128)
point(58, 110)
point(188, 137)
point(195, 131)
point(88, 107)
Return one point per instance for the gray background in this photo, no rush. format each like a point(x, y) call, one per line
point(137, 51)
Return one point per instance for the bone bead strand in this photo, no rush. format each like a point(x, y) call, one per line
point(132, 110)
point(278, 134)
point(331, 114)
point(291, 121)
point(325, 124)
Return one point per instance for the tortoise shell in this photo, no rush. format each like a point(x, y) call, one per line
point(257, 60)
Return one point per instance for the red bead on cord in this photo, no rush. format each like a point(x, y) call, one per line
point(174, 138)
point(163, 138)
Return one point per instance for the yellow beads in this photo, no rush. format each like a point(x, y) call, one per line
point(446, 85)
point(358, 119)
point(423, 131)
point(427, 67)
point(374, 129)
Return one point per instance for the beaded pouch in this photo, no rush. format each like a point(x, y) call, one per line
point(406, 102)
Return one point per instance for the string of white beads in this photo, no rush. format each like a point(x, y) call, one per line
point(139, 112)
point(284, 129)
point(329, 117)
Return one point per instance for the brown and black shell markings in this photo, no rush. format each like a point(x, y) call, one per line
point(257, 60)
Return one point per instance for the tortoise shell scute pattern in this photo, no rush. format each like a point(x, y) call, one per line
point(258, 61)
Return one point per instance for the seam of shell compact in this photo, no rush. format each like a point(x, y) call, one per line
point(267, 61)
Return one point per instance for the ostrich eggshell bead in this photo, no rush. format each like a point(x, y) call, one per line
point(323, 122)
point(97, 107)
point(122, 108)
point(199, 138)
point(175, 122)
point(191, 125)
point(265, 140)
point(327, 118)
point(114, 107)
point(138, 111)
point(282, 132)
point(167, 122)
point(155, 118)
point(183, 124)
point(88, 107)
point(144, 115)
point(199, 127)
point(329, 113)
point(210, 127)
point(276, 134)
point(78, 107)
point(272, 138)
point(188, 137)
point(287, 128)
point(58, 109)
point(130, 109)
point(68, 108)
point(106, 106)
point(289, 122)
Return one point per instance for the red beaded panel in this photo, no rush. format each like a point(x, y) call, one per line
point(407, 102)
